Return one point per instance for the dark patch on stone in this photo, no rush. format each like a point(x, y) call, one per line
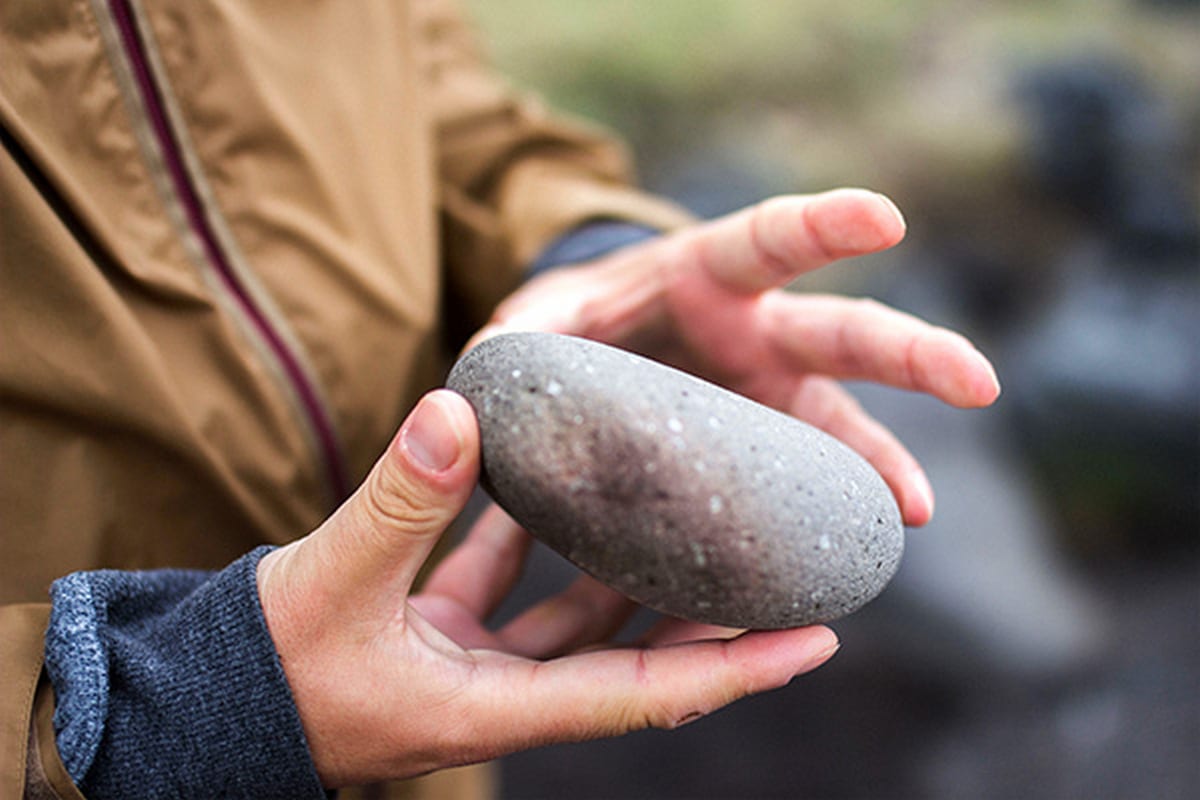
point(682, 495)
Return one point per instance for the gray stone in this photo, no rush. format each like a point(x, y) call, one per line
point(686, 497)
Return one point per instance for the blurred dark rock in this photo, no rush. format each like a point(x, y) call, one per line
point(1102, 142)
point(1106, 397)
point(1105, 372)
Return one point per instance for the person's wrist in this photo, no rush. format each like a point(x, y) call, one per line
point(589, 241)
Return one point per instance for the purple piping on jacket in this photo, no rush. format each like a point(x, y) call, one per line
point(313, 407)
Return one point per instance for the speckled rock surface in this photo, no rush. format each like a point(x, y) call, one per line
point(688, 498)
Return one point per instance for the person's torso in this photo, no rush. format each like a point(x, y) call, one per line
point(219, 273)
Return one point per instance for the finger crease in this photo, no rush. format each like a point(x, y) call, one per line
point(778, 267)
point(848, 359)
point(910, 365)
point(642, 669)
point(814, 236)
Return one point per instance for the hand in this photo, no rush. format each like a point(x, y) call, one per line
point(392, 686)
point(709, 299)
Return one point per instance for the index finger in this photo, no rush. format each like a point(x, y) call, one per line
point(481, 571)
point(769, 244)
point(861, 339)
point(611, 692)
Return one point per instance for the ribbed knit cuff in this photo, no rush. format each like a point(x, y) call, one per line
point(168, 685)
point(588, 241)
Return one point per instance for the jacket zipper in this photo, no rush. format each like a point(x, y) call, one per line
point(310, 403)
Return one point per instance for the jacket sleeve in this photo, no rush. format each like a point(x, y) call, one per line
point(512, 176)
point(29, 762)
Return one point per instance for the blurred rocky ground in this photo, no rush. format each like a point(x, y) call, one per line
point(1042, 639)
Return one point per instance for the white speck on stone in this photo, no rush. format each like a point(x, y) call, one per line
point(675, 425)
point(516, 429)
point(714, 423)
point(650, 467)
point(516, 373)
point(554, 388)
point(700, 466)
point(650, 427)
point(715, 504)
point(701, 605)
point(824, 542)
point(698, 554)
point(589, 369)
point(577, 419)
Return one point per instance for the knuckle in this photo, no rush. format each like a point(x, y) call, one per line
point(771, 248)
point(390, 501)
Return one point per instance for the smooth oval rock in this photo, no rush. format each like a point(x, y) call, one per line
point(686, 497)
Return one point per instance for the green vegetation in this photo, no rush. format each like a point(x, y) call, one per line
point(911, 97)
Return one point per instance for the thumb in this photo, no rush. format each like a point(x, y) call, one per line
point(377, 541)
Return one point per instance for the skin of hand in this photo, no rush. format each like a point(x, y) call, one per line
point(710, 300)
point(391, 684)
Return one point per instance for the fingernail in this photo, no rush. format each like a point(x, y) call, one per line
point(827, 653)
point(429, 435)
point(822, 655)
point(992, 391)
point(891, 206)
point(924, 491)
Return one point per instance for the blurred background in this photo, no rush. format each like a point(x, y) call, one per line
point(1042, 639)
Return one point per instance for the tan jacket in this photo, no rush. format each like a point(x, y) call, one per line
point(230, 233)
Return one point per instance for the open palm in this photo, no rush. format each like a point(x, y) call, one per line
point(710, 299)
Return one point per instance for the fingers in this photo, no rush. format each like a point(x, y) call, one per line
point(672, 630)
point(610, 692)
point(479, 573)
point(585, 613)
point(824, 404)
point(769, 244)
point(866, 340)
point(370, 550)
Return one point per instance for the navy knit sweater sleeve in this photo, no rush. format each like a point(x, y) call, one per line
point(591, 240)
point(168, 685)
